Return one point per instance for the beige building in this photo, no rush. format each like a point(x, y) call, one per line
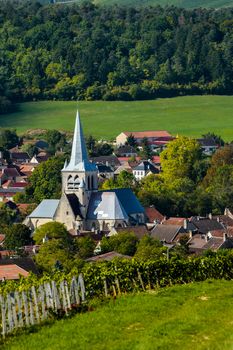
point(152, 136)
point(82, 207)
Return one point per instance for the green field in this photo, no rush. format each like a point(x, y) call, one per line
point(190, 317)
point(178, 3)
point(190, 115)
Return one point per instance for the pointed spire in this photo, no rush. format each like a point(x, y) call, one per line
point(79, 158)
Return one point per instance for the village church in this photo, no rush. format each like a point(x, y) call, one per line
point(82, 207)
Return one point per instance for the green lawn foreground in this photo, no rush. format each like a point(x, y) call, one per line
point(189, 115)
point(194, 316)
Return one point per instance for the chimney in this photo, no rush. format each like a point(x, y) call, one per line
point(185, 225)
point(210, 216)
point(224, 236)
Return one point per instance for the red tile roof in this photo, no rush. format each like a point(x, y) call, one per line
point(153, 215)
point(141, 134)
point(19, 184)
point(174, 221)
point(156, 159)
point(12, 272)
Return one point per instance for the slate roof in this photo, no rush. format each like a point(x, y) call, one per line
point(147, 166)
point(139, 231)
point(46, 209)
point(102, 168)
point(74, 204)
point(204, 225)
point(108, 257)
point(166, 233)
point(128, 200)
point(226, 220)
point(205, 142)
point(108, 160)
point(126, 149)
point(20, 156)
point(79, 158)
point(105, 206)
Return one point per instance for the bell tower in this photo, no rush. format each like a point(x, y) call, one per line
point(79, 177)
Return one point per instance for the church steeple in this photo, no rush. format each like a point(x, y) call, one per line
point(79, 158)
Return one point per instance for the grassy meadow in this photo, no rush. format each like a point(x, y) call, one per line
point(196, 316)
point(189, 115)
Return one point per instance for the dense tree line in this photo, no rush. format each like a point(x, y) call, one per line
point(114, 53)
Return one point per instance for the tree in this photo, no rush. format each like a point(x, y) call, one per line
point(123, 243)
point(178, 159)
point(223, 156)
point(91, 145)
point(30, 149)
point(212, 136)
point(45, 181)
point(17, 236)
point(131, 141)
point(52, 253)
point(85, 247)
point(125, 180)
point(149, 248)
point(146, 150)
point(55, 139)
point(7, 216)
point(51, 230)
point(8, 139)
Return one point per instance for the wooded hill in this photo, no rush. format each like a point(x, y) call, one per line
point(112, 53)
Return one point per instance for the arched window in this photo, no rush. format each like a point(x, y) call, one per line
point(70, 182)
point(76, 182)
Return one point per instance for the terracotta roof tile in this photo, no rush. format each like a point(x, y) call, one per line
point(153, 215)
point(141, 134)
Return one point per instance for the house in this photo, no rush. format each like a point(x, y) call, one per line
point(82, 207)
point(9, 193)
point(108, 257)
point(126, 151)
point(39, 158)
point(167, 233)
point(199, 243)
point(104, 171)
point(121, 139)
point(19, 157)
point(139, 231)
point(111, 161)
point(204, 225)
point(12, 269)
point(143, 169)
point(208, 146)
point(153, 216)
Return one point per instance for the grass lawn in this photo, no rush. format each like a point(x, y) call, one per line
point(195, 316)
point(189, 115)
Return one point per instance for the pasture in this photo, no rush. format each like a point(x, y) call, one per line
point(189, 115)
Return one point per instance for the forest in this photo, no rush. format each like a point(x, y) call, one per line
point(94, 52)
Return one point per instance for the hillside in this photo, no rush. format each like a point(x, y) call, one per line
point(178, 3)
point(190, 115)
point(194, 316)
